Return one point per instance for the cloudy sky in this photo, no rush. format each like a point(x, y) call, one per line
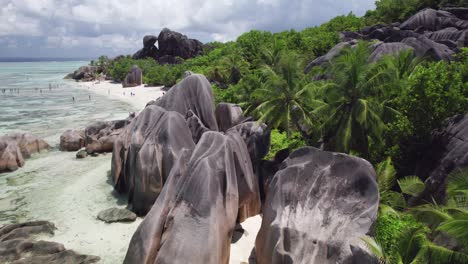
point(87, 28)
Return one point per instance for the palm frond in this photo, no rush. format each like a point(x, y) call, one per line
point(457, 228)
point(411, 185)
point(386, 174)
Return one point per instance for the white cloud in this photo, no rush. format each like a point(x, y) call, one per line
point(104, 23)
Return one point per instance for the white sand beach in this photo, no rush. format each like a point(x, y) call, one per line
point(141, 94)
point(241, 250)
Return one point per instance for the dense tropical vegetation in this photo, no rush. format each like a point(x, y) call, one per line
point(378, 111)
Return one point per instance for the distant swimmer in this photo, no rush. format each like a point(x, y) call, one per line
point(50, 86)
point(73, 98)
point(41, 91)
point(90, 97)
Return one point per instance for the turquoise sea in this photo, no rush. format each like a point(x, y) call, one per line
point(54, 185)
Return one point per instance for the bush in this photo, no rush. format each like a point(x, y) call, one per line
point(388, 228)
point(279, 141)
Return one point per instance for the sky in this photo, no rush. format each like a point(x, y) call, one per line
point(89, 28)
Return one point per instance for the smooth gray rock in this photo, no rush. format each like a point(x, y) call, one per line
point(425, 47)
point(133, 78)
point(145, 152)
point(72, 140)
point(175, 44)
point(149, 49)
point(116, 215)
point(85, 73)
point(193, 219)
point(382, 49)
point(430, 19)
point(228, 115)
point(318, 205)
point(193, 93)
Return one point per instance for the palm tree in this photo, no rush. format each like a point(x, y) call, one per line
point(354, 113)
point(235, 66)
point(284, 94)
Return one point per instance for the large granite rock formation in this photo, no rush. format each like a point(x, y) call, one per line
point(434, 33)
point(72, 140)
point(145, 153)
point(193, 93)
point(193, 219)
point(318, 205)
point(448, 153)
point(149, 49)
point(18, 246)
point(133, 78)
point(84, 74)
point(14, 148)
point(172, 45)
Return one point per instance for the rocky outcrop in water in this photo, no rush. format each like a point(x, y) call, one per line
point(448, 154)
point(434, 33)
point(133, 78)
point(172, 46)
point(15, 148)
point(17, 246)
point(72, 140)
point(84, 74)
point(100, 135)
point(193, 219)
point(318, 205)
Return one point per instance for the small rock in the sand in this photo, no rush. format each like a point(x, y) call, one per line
point(116, 215)
point(81, 154)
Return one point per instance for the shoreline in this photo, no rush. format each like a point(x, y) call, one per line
point(141, 94)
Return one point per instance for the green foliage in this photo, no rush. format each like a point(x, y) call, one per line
point(411, 185)
point(279, 141)
point(386, 176)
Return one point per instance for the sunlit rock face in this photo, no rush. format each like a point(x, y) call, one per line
point(193, 93)
point(144, 155)
point(15, 148)
point(193, 219)
point(318, 205)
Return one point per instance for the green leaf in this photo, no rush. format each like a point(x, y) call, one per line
point(411, 185)
point(386, 174)
point(457, 228)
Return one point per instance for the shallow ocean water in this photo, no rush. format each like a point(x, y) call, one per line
point(54, 185)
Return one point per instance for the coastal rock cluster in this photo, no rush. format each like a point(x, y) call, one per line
point(18, 246)
point(97, 137)
point(196, 171)
point(133, 78)
point(435, 33)
point(84, 74)
point(15, 148)
point(171, 45)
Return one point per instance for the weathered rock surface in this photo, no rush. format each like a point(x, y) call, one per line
point(101, 135)
point(228, 115)
point(193, 93)
point(382, 49)
point(448, 153)
point(434, 33)
point(10, 155)
point(18, 246)
point(172, 45)
point(133, 78)
point(149, 50)
point(84, 73)
point(318, 205)
point(116, 215)
point(145, 152)
point(15, 148)
point(72, 140)
point(175, 44)
point(193, 219)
